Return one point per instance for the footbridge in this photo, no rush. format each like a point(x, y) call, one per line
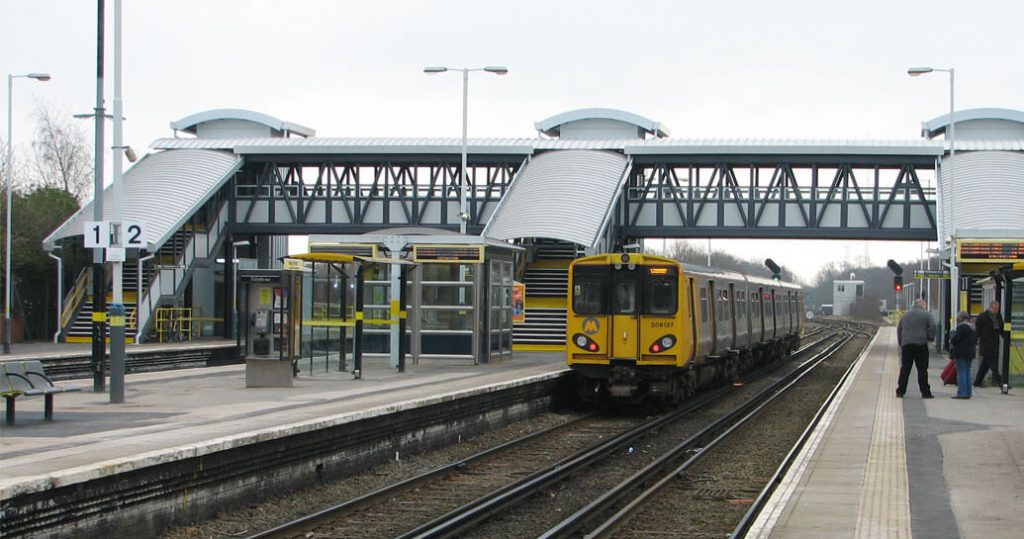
point(594, 179)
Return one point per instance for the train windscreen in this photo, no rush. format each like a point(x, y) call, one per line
point(589, 287)
point(649, 290)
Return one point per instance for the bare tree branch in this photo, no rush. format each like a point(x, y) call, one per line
point(63, 159)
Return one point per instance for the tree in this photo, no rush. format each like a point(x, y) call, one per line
point(63, 159)
point(36, 215)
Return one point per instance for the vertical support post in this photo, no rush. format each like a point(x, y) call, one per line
point(402, 314)
point(357, 345)
point(463, 215)
point(99, 283)
point(1007, 304)
point(117, 356)
point(395, 293)
point(343, 360)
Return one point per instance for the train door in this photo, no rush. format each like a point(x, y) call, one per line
point(759, 313)
point(713, 317)
point(771, 309)
point(731, 301)
point(693, 320)
point(625, 330)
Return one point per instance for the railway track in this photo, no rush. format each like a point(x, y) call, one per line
point(458, 497)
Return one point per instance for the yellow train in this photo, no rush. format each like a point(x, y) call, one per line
point(641, 325)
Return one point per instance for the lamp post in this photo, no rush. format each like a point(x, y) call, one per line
point(497, 70)
point(954, 275)
point(41, 77)
point(234, 285)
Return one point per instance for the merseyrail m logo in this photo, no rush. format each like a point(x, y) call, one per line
point(591, 325)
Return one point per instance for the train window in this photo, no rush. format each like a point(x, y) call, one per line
point(703, 304)
point(741, 300)
point(588, 290)
point(661, 295)
point(624, 292)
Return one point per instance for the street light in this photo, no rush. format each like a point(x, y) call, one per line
point(234, 285)
point(497, 70)
point(954, 275)
point(41, 77)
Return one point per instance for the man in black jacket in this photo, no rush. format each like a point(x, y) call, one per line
point(989, 327)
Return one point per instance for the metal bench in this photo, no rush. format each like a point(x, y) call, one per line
point(28, 379)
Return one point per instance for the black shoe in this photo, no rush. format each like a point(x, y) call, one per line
point(899, 394)
point(978, 384)
point(959, 397)
point(928, 396)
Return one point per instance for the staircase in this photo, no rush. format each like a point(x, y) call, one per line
point(547, 283)
point(80, 329)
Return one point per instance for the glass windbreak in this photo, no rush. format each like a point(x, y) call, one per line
point(589, 290)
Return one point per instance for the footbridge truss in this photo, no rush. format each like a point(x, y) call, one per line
point(672, 188)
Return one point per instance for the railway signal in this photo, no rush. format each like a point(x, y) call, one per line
point(897, 283)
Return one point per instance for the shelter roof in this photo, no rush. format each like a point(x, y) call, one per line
point(162, 190)
point(528, 146)
point(936, 126)
point(189, 124)
point(552, 126)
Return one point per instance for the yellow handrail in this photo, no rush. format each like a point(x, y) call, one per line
point(173, 323)
point(75, 297)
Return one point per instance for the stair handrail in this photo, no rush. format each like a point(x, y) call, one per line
point(182, 269)
point(69, 308)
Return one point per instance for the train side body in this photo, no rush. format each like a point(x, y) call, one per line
point(642, 325)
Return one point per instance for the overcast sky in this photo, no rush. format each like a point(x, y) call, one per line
point(783, 69)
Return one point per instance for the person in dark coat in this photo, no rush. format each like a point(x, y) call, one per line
point(989, 327)
point(913, 333)
point(962, 346)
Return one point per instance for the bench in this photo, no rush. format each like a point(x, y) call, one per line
point(27, 379)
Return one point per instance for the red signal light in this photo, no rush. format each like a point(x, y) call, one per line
point(655, 348)
point(593, 347)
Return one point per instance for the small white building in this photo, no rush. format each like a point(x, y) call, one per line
point(845, 294)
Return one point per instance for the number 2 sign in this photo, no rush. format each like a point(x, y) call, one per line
point(133, 235)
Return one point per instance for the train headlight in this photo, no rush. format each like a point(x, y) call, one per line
point(585, 342)
point(662, 344)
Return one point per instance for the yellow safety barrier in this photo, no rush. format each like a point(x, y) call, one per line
point(173, 324)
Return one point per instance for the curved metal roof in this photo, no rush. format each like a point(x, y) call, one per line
point(527, 146)
point(562, 195)
point(188, 124)
point(935, 127)
point(162, 190)
point(552, 126)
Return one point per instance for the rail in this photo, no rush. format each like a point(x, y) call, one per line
point(173, 324)
point(74, 298)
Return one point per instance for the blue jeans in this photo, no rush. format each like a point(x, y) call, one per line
point(963, 378)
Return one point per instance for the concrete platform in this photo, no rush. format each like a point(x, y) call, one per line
point(879, 466)
point(176, 414)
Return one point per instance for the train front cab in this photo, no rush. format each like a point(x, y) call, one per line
point(630, 323)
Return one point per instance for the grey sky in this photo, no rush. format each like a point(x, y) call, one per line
point(796, 69)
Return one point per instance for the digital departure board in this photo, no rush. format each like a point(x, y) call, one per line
point(990, 250)
point(466, 254)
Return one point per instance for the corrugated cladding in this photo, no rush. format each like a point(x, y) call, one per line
point(560, 195)
point(162, 191)
point(527, 146)
point(989, 190)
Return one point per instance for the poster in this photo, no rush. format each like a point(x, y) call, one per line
point(518, 302)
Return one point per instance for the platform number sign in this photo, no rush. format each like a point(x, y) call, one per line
point(97, 234)
point(134, 235)
point(100, 235)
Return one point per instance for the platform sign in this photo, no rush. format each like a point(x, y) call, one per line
point(97, 234)
point(452, 254)
point(931, 274)
point(134, 234)
point(989, 251)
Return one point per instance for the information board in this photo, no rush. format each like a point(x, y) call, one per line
point(1007, 251)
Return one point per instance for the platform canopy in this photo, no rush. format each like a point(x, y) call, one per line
point(564, 195)
point(162, 191)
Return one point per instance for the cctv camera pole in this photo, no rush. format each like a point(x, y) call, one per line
point(99, 281)
point(117, 306)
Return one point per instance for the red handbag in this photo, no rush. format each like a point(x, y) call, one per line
point(949, 373)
